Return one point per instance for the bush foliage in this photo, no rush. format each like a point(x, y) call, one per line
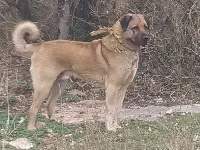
point(169, 67)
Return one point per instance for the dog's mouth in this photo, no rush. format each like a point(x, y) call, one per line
point(141, 39)
point(140, 43)
point(143, 47)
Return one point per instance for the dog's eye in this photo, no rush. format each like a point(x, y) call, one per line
point(135, 27)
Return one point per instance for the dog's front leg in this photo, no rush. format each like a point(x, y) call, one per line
point(120, 98)
point(111, 96)
point(121, 94)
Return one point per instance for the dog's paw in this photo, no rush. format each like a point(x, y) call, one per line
point(31, 128)
point(118, 126)
point(40, 124)
point(111, 128)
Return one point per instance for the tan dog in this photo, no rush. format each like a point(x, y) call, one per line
point(111, 61)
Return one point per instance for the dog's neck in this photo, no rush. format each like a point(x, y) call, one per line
point(119, 43)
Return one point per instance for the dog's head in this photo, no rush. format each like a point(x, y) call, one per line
point(135, 28)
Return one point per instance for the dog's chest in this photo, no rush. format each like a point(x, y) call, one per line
point(129, 61)
point(122, 66)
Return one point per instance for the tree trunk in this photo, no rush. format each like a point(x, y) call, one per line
point(64, 19)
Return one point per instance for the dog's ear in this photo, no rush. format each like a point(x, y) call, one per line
point(124, 21)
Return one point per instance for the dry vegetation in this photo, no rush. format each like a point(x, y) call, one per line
point(169, 66)
point(168, 73)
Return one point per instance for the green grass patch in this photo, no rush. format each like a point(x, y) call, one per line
point(14, 126)
point(174, 133)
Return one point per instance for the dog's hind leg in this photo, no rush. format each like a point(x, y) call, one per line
point(56, 90)
point(42, 83)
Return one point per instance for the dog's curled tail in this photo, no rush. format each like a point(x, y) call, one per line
point(24, 31)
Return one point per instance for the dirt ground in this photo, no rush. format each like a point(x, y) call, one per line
point(94, 110)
